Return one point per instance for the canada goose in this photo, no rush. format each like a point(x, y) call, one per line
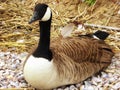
point(65, 60)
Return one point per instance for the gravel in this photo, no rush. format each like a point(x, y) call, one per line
point(11, 75)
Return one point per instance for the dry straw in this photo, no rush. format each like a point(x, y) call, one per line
point(14, 16)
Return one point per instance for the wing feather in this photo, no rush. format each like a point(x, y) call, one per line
point(82, 49)
point(80, 57)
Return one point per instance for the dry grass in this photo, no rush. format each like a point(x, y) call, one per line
point(17, 35)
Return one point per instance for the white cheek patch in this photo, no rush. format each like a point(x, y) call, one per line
point(47, 15)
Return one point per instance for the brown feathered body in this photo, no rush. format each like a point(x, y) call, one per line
point(80, 57)
point(74, 60)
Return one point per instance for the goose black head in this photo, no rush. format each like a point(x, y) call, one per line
point(41, 12)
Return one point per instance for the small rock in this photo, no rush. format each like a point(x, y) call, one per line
point(59, 89)
point(78, 85)
point(67, 88)
point(72, 87)
point(116, 86)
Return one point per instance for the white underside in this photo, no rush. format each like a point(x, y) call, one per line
point(41, 73)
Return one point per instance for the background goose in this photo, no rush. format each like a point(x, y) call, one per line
point(65, 60)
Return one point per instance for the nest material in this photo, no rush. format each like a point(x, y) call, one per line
point(15, 32)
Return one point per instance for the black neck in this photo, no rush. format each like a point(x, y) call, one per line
point(43, 49)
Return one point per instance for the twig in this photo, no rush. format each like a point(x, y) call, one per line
point(101, 26)
point(109, 18)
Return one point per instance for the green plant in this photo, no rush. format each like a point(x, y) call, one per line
point(90, 2)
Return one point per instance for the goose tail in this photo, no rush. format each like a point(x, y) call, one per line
point(102, 35)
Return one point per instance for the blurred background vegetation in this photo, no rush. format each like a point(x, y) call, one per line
point(18, 36)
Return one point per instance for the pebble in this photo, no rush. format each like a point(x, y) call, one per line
point(11, 75)
point(116, 86)
point(67, 88)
